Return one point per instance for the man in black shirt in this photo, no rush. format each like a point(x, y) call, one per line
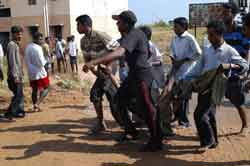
point(139, 83)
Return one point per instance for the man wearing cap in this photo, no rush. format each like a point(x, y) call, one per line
point(139, 82)
point(93, 45)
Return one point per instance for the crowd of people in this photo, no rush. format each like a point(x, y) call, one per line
point(144, 94)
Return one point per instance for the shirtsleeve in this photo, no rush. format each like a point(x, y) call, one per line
point(172, 49)
point(195, 48)
point(1, 56)
point(238, 60)
point(12, 60)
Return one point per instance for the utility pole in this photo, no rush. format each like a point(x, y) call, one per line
point(46, 17)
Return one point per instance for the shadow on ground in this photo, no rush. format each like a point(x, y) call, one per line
point(65, 129)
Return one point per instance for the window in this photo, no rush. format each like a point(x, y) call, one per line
point(32, 2)
point(5, 12)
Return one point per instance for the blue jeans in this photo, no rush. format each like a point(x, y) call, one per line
point(17, 101)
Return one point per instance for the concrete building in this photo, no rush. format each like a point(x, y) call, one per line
point(57, 17)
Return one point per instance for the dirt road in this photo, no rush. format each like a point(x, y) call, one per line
point(57, 136)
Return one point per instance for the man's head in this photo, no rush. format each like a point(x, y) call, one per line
point(215, 31)
point(125, 21)
point(38, 38)
point(180, 25)
point(229, 10)
point(84, 24)
point(17, 33)
point(47, 39)
point(147, 31)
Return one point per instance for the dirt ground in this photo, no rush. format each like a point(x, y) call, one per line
point(58, 136)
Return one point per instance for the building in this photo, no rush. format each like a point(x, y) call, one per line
point(57, 17)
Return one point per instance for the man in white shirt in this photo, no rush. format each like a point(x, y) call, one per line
point(225, 59)
point(38, 77)
point(60, 54)
point(184, 51)
point(73, 51)
point(1, 62)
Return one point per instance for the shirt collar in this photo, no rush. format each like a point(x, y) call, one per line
point(221, 47)
point(184, 34)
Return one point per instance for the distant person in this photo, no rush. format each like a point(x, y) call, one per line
point(47, 54)
point(59, 50)
point(15, 74)
point(73, 53)
point(155, 58)
point(234, 37)
point(35, 61)
point(1, 62)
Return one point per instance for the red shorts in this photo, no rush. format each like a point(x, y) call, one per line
point(40, 84)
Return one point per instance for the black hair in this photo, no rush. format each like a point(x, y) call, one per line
point(246, 20)
point(36, 35)
point(85, 20)
point(232, 6)
point(69, 38)
point(16, 29)
point(182, 21)
point(218, 26)
point(147, 31)
point(47, 38)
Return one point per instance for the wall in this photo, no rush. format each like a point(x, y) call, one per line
point(100, 11)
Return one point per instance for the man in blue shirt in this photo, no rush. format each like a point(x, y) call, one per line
point(233, 36)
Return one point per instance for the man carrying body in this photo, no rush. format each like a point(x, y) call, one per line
point(94, 44)
point(139, 83)
point(219, 57)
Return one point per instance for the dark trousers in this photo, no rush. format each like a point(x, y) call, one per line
point(182, 112)
point(17, 101)
point(205, 120)
point(104, 86)
point(144, 107)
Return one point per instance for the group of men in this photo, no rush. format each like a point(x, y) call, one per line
point(201, 68)
point(142, 75)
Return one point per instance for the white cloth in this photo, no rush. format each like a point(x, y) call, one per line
point(1, 56)
point(156, 56)
point(182, 47)
point(72, 48)
point(35, 61)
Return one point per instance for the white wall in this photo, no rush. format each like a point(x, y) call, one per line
point(100, 11)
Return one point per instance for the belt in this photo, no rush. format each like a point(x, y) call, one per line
point(157, 64)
